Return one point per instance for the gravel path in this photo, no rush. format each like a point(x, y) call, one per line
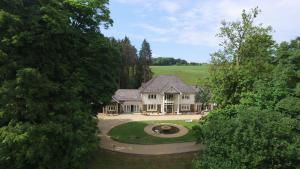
point(106, 123)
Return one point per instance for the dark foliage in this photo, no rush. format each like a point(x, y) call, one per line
point(55, 69)
point(256, 86)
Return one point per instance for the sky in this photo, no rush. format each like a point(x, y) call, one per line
point(186, 29)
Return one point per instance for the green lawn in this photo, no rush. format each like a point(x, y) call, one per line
point(103, 159)
point(133, 132)
point(189, 74)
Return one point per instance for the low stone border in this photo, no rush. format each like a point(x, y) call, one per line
point(182, 131)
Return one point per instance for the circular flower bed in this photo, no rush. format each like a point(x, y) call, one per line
point(166, 130)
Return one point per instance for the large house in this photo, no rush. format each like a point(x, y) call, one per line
point(160, 95)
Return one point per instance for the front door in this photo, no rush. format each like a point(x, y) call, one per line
point(169, 108)
point(132, 108)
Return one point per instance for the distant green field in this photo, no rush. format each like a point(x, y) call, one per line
point(189, 74)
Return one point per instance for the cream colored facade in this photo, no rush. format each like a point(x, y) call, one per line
point(161, 95)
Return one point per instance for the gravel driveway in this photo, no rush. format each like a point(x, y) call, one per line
point(106, 123)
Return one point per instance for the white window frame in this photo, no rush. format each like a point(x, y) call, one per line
point(111, 108)
point(126, 108)
point(151, 107)
point(186, 97)
point(169, 97)
point(185, 107)
point(199, 106)
point(152, 96)
point(136, 108)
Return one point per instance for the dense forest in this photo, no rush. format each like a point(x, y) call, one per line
point(167, 61)
point(164, 61)
point(134, 69)
point(256, 84)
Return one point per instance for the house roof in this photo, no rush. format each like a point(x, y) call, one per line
point(127, 95)
point(166, 83)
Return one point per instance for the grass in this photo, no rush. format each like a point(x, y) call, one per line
point(189, 74)
point(104, 159)
point(133, 132)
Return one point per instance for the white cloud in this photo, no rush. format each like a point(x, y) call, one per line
point(160, 39)
point(169, 6)
point(130, 1)
point(152, 28)
point(197, 22)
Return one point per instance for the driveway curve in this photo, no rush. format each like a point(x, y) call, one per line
point(106, 123)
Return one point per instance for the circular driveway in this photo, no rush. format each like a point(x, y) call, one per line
point(106, 123)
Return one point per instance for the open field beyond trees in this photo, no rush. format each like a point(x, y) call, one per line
point(115, 160)
point(189, 74)
point(133, 132)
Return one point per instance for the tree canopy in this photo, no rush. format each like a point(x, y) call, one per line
point(164, 61)
point(246, 54)
point(56, 68)
point(255, 83)
point(134, 68)
point(238, 137)
point(144, 72)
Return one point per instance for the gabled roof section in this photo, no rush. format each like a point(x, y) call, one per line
point(127, 95)
point(169, 89)
point(160, 83)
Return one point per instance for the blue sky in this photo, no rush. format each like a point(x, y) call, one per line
point(186, 28)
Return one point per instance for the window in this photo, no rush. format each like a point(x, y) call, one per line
point(131, 108)
point(152, 96)
point(169, 97)
point(111, 108)
point(151, 107)
point(126, 108)
point(185, 107)
point(136, 108)
point(185, 97)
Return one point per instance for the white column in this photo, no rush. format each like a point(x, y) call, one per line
point(178, 97)
point(163, 105)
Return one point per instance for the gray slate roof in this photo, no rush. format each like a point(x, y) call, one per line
point(159, 84)
point(127, 95)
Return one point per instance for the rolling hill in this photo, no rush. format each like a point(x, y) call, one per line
point(189, 74)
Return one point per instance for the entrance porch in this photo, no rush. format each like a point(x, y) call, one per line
point(170, 103)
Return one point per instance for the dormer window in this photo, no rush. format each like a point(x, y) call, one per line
point(152, 96)
point(186, 97)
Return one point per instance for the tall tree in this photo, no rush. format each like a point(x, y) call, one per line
point(280, 90)
point(257, 123)
point(128, 56)
point(129, 60)
point(143, 69)
point(247, 50)
point(55, 68)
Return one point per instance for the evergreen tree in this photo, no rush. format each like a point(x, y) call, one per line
point(55, 69)
point(143, 69)
point(129, 59)
point(128, 55)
